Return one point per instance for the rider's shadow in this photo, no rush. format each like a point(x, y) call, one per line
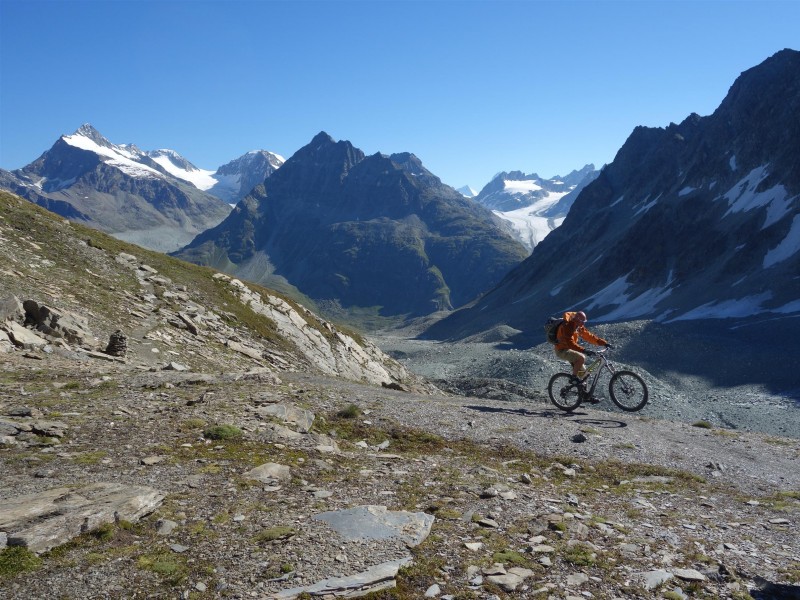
point(583, 419)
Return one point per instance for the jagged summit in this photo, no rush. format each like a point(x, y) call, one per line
point(87, 130)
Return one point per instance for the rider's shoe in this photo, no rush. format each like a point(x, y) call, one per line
point(594, 400)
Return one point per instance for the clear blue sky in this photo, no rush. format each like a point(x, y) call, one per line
point(471, 87)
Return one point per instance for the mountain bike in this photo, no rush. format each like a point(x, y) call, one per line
point(627, 389)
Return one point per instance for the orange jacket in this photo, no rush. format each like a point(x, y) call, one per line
point(570, 331)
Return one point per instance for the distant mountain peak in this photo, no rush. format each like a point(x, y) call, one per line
point(467, 191)
point(322, 138)
point(120, 189)
point(358, 231)
point(87, 131)
point(533, 205)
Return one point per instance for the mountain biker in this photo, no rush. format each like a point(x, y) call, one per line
point(567, 347)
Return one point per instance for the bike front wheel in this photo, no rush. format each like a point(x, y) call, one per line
point(628, 391)
point(564, 392)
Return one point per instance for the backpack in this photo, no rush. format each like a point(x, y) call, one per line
point(551, 329)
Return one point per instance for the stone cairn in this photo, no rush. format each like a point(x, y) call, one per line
point(117, 344)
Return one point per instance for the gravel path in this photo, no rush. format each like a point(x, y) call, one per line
point(676, 392)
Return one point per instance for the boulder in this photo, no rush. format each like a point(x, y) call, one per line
point(57, 323)
point(11, 309)
point(269, 472)
point(22, 337)
point(47, 519)
point(301, 418)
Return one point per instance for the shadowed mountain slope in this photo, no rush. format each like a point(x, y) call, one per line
point(377, 232)
point(695, 221)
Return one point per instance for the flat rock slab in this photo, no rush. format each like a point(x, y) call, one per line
point(23, 337)
point(48, 519)
point(373, 579)
point(378, 523)
point(302, 418)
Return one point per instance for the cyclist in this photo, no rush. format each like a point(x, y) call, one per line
point(567, 347)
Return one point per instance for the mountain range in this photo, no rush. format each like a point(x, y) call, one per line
point(693, 222)
point(156, 199)
point(378, 233)
point(533, 205)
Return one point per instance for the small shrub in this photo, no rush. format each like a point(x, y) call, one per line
point(222, 432)
point(171, 569)
point(702, 424)
point(350, 412)
point(579, 555)
point(104, 533)
point(509, 557)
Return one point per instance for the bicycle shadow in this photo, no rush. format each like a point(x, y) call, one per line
point(583, 417)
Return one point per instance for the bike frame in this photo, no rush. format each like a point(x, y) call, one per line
point(604, 364)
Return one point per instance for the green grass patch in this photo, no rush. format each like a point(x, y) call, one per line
point(702, 425)
point(17, 559)
point(170, 567)
point(579, 555)
point(510, 557)
point(105, 532)
point(222, 432)
point(273, 534)
point(90, 458)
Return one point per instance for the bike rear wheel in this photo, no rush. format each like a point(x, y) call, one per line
point(564, 392)
point(628, 391)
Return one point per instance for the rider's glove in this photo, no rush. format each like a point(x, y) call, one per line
point(609, 346)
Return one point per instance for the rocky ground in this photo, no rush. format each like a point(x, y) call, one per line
point(526, 501)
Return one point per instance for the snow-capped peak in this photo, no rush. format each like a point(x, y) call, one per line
point(230, 182)
point(177, 166)
point(125, 158)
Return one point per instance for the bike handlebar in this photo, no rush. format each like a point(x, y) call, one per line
point(589, 352)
